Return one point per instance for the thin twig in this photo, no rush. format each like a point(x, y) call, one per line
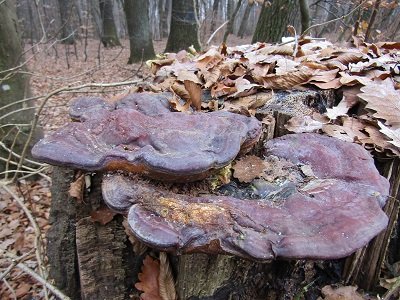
point(38, 243)
point(331, 21)
point(15, 262)
point(215, 32)
point(36, 276)
point(7, 284)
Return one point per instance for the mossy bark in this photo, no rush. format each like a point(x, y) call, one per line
point(14, 86)
point(184, 31)
point(273, 21)
point(140, 37)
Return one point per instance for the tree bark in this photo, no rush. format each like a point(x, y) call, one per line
point(305, 15)
point(14, 86)
point(184, 31)
point(140, 37)
point(214, 15)
point(67, 31)
point(229, 28)
point(243, 25)
point(273, 20)
point(109, 36)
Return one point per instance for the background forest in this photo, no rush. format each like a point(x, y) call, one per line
point(52, 51)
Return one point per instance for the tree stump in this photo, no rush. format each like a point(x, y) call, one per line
point(89, 260)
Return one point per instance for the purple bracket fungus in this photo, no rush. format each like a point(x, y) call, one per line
point(329, 214)
point(139, 135)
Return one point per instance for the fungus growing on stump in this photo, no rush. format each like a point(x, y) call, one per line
point(329, 214)
point(141, 137)
point(328, 205)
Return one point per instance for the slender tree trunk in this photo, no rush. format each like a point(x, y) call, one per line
point(14, 86)
point(140, 37)
point(184, 31)
point(243, 25)
point(231, 22)
point(67, 32)
point(372, 20)
point(305, 15)
point(214, 15)
point(273, 21)
point(110, 36)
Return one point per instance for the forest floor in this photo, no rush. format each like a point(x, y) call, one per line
point(52, 67)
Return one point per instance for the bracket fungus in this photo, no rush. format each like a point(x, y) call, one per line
point(138, 134)
point(329, 213)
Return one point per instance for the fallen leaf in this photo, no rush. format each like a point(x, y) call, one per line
point(103, 215)
point(77, 187)
point(384, 100)
point(303, 124)
point(166, 279)
point(393, 134)
point(248, 168)
point(148, 279)
point(194, 91)
point(341, 293)
point(340, 110)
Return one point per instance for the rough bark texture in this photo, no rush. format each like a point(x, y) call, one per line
point(243, 25)
point(184, 31)
point(364, 267)
point(61, 250)
point(13, 86)
point(110, 36)
point(101, 253)
point(67, 32)
point(273, 20)
point(305, 15)
point(140, 37)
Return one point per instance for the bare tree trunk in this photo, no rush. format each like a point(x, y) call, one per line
point(245, 19)
point(305, 15)
point(372, 20)
point(229, 28)
point(273, 21)
point(184, 31)
point(67, 32)
point(214, 15)
point(14, 86)
point(140, 37)
point(110, 36)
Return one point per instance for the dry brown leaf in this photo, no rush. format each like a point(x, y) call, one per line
point(289, 80)
point(156, 64)
point(248, 168)
point(340, 110)
point(77, 187)
point(393, 134)
point(285, 65)
point(166, 279)
point(179, 89)
point(341, 293)
point(183, 75)
point(148, 279)
point(347, 79)
point(209, 59)
point(194, 91)
point(211, 77)
point(384, 100)
point(334, 84)
point(178, 105)
point(244, 88)
point(303, 124)
point(103, 215)
point(220, 89)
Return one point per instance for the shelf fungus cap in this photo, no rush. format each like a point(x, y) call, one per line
point(328, 215)
point(144, 138)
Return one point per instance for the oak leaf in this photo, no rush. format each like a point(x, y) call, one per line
point(148, 279)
